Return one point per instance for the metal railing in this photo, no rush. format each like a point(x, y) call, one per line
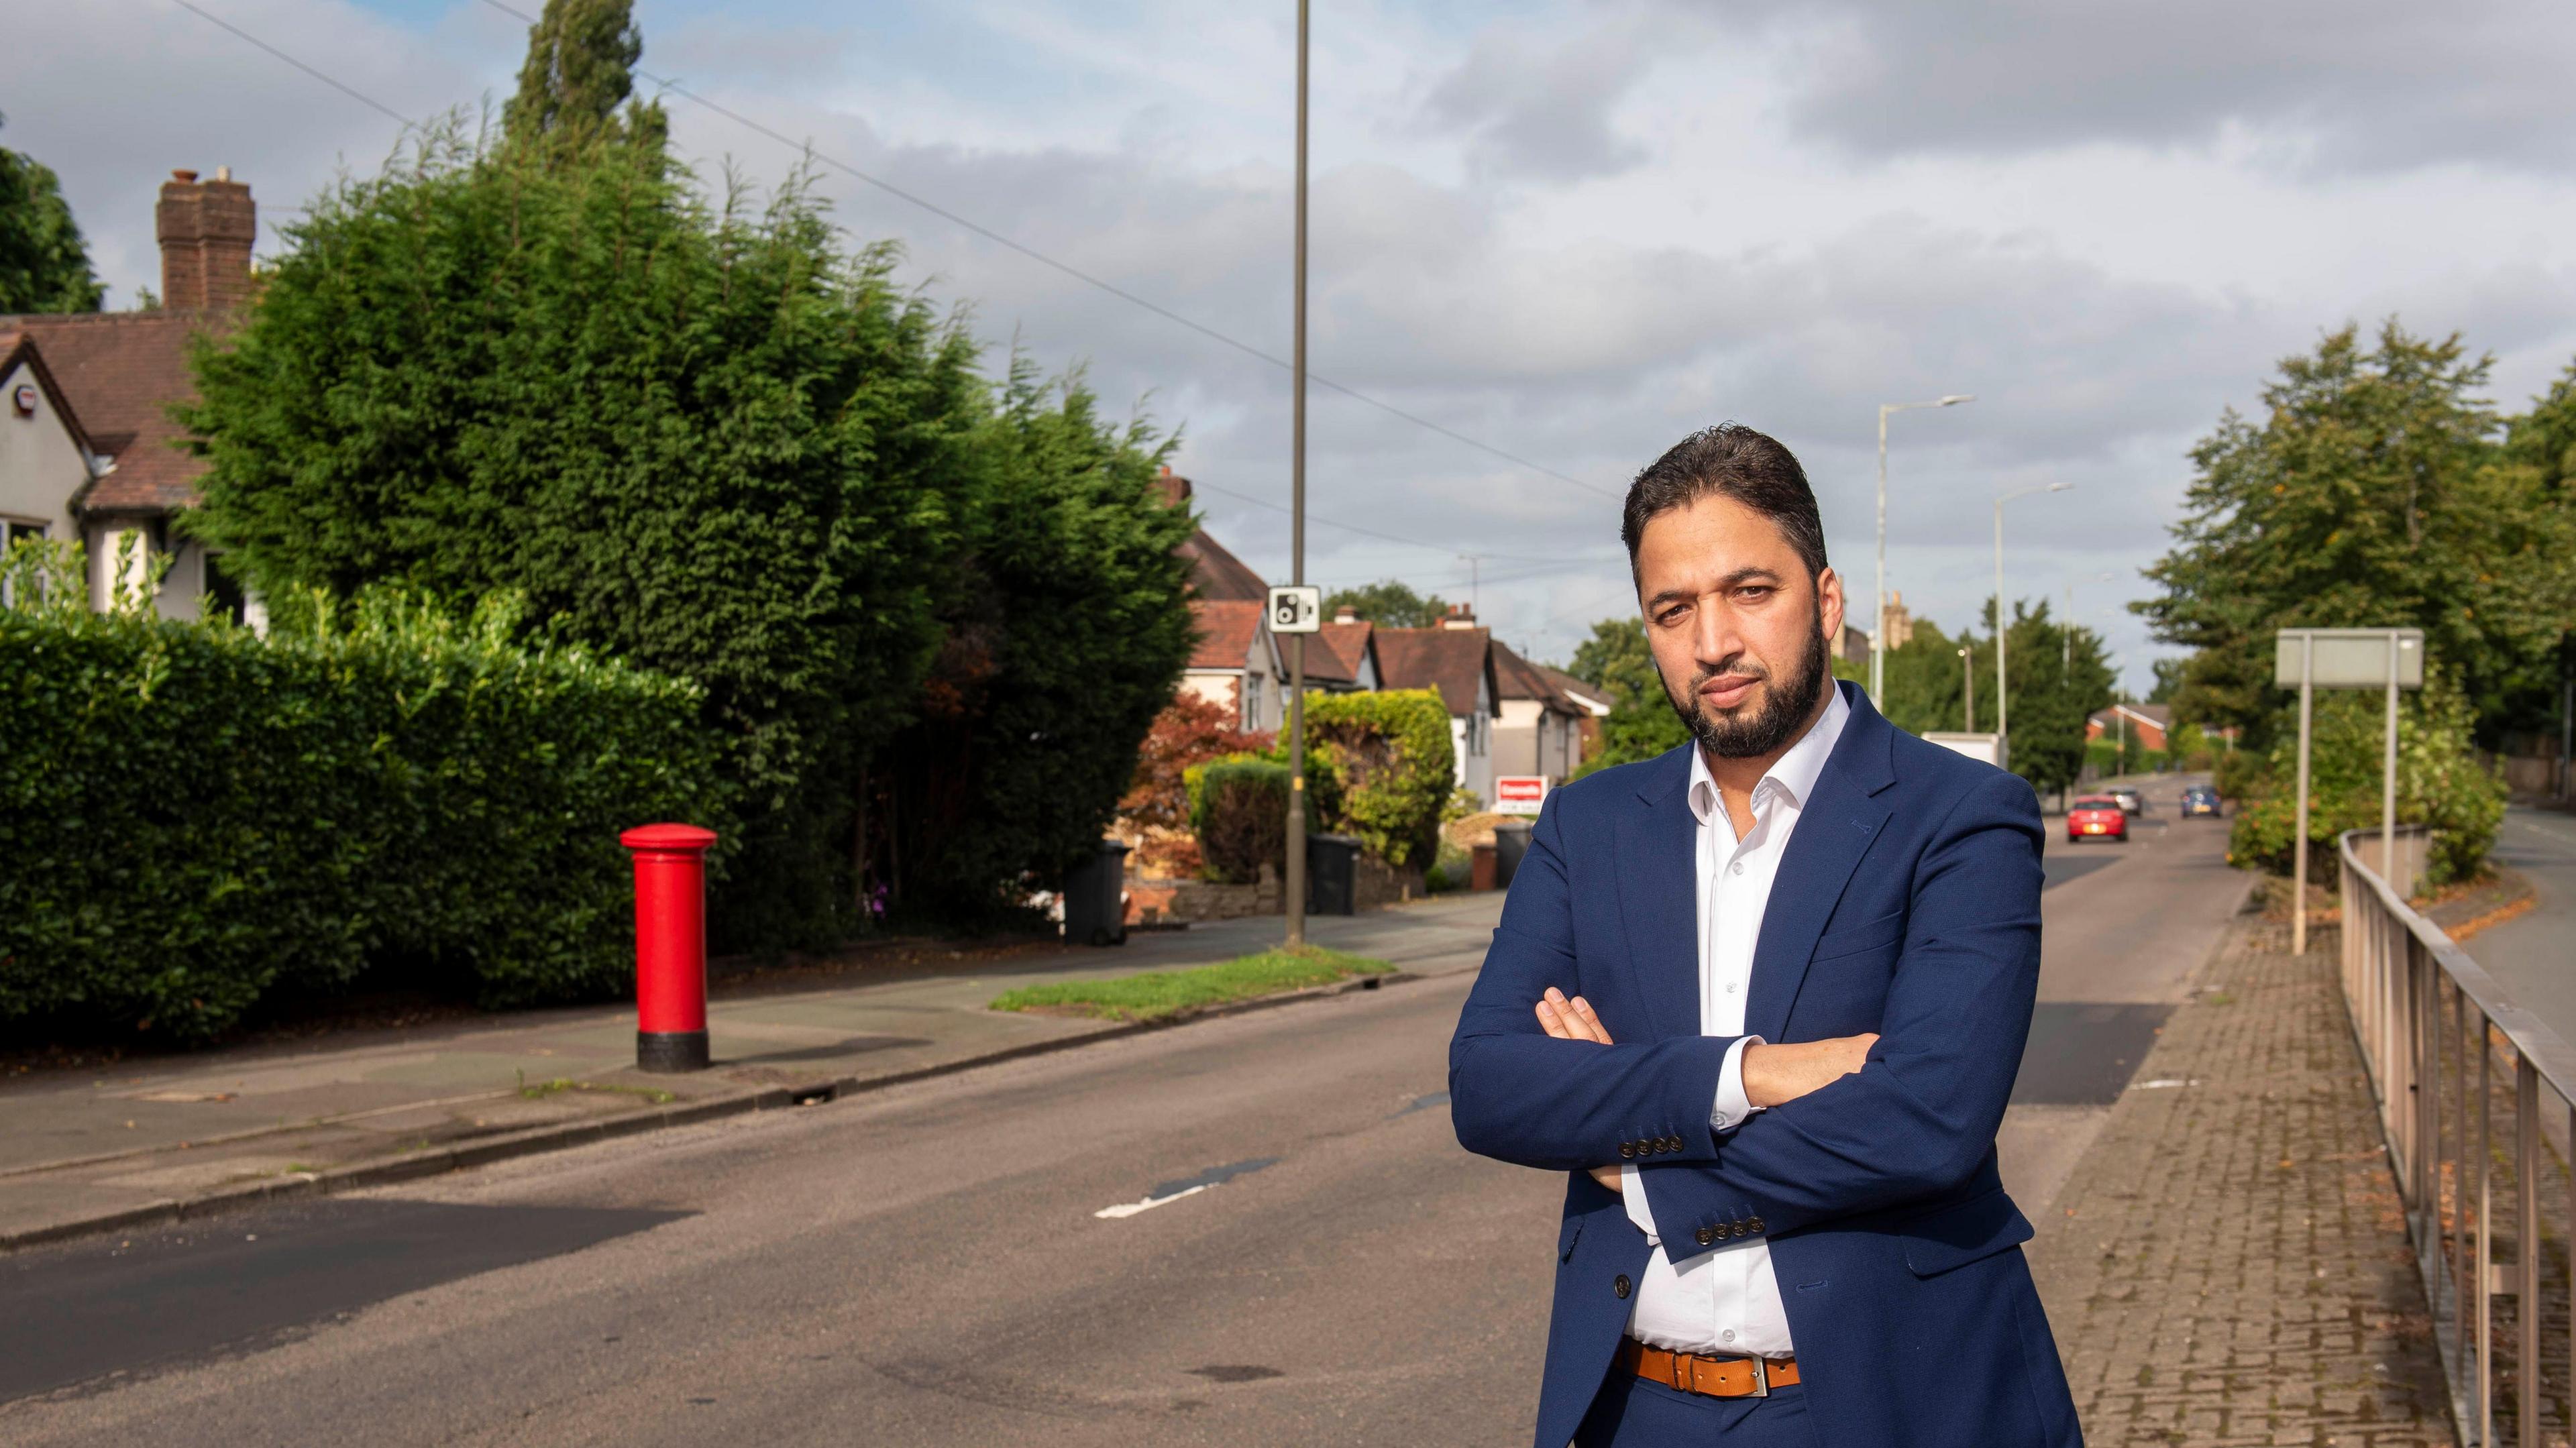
point(2438, 1034)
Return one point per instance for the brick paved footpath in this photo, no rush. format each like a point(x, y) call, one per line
point(2227, 1265)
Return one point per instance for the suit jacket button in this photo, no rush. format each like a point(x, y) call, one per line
point(1756, 1224)
point(1722, 1230)
point(1706, 1235)
point(1676, 1144)
point(1627, 1150)
point(1619, 1286)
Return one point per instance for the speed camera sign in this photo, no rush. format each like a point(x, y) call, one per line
point(1296, 609)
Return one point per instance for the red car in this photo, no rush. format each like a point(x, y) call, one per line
point(2096, 817)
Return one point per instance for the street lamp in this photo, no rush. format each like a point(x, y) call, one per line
point(1968, 676)
point(2003, 690)
point(1878, 615)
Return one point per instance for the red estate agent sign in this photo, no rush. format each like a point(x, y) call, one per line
point(670, 945)
point(1519, 793)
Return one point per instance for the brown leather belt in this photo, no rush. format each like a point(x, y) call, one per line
point(1715, 1377)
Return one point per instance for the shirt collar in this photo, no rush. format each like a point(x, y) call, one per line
point(1794, 773)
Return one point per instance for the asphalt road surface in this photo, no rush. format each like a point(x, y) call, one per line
point(2529, 954)
point(1255, 1230)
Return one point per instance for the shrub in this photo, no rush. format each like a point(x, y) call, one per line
point(192, 817)
point(1379, 766)
point(2242, 774)
point(2439, 784)
point(1239, 808)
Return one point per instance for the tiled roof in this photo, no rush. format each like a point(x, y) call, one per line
point(1339, 650)
point(1227, 628)
point(121, 372)
point(1447, 659)
point(1568, 684)
point(1219, 576)
point(1518, 678)
point(17, 347)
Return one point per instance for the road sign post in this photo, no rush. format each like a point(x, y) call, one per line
point(2309, 659)
point(1296, 881)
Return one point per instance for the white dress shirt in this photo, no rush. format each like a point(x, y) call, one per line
point(1725, 1300)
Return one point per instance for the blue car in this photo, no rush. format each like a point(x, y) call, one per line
point(2200, 799)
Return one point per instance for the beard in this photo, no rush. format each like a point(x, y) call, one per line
point(1770, 719)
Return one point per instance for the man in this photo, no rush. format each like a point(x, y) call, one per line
point(1762, 999)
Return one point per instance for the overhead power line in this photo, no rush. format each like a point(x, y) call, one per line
point(1448, 548)
point(673, 87)
point(247, 38)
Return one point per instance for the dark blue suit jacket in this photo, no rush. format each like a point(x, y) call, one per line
point(1907, 904)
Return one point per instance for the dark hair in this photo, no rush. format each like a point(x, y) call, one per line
point(1732, 461)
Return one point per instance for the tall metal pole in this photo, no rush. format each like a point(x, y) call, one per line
point(1878, 617)
point(1968, 675)
point(2003, 693)
point(1295, 885)
point(2388, 785)
point(2299, 834)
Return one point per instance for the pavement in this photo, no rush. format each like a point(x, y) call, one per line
point(1253, 1229)
point(2229, 1262)
point(160, 1139)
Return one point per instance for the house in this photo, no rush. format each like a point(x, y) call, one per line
point(1343, 655)
point(1593, 701)
point(2146, 724)
point(88, 450)
point(1540, 729)
point(1456, 660)
point(1236, 663)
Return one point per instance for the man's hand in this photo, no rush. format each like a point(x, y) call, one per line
point(1774, 1075)
point(1573, 1020)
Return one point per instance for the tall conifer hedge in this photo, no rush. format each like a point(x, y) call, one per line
point(708, 438)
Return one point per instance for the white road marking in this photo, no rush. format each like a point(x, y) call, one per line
point(2161, 1083)
point(1129, 1209)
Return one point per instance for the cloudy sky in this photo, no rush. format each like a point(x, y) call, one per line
point(1572, 233)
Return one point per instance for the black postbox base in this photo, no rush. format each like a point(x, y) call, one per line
point(669, 1051)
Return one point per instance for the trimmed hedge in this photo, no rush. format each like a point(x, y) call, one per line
point(191, 817)
point(1239, 811)
point(1380, 767)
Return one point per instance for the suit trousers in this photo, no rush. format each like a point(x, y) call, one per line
point(1632, 1412)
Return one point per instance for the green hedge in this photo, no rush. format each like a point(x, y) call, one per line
point(2440, 784)
point(1380, 767)
point(1239, 811)
point(191, 817)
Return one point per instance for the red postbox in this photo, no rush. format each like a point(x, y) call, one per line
point(670, 945)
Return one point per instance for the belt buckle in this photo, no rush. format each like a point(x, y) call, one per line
point(1761, 1377)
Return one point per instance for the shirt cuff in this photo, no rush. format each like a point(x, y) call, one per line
point(1732, 1110)
point(1632, 1190)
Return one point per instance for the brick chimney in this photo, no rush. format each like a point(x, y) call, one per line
point(1176, 489)
point(1347, 613)
point(1459, 616)
point(206, 229)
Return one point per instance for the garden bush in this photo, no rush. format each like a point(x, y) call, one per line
point(1239, 810)
point(2439, 784)
point(192, 817)
point(1379, 766)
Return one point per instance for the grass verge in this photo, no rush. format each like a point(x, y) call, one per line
point(1160, 993)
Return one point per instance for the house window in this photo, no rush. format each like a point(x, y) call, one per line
point(14, 531)
point(1251, 701)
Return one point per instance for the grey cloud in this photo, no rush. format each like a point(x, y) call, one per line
point(1527, 106)
point(2325, 85)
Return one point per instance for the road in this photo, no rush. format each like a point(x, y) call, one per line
point(928, 1264)
point(2529, 954)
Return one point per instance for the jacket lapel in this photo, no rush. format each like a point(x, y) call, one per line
point(1658, 897)
point(1835, 829)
